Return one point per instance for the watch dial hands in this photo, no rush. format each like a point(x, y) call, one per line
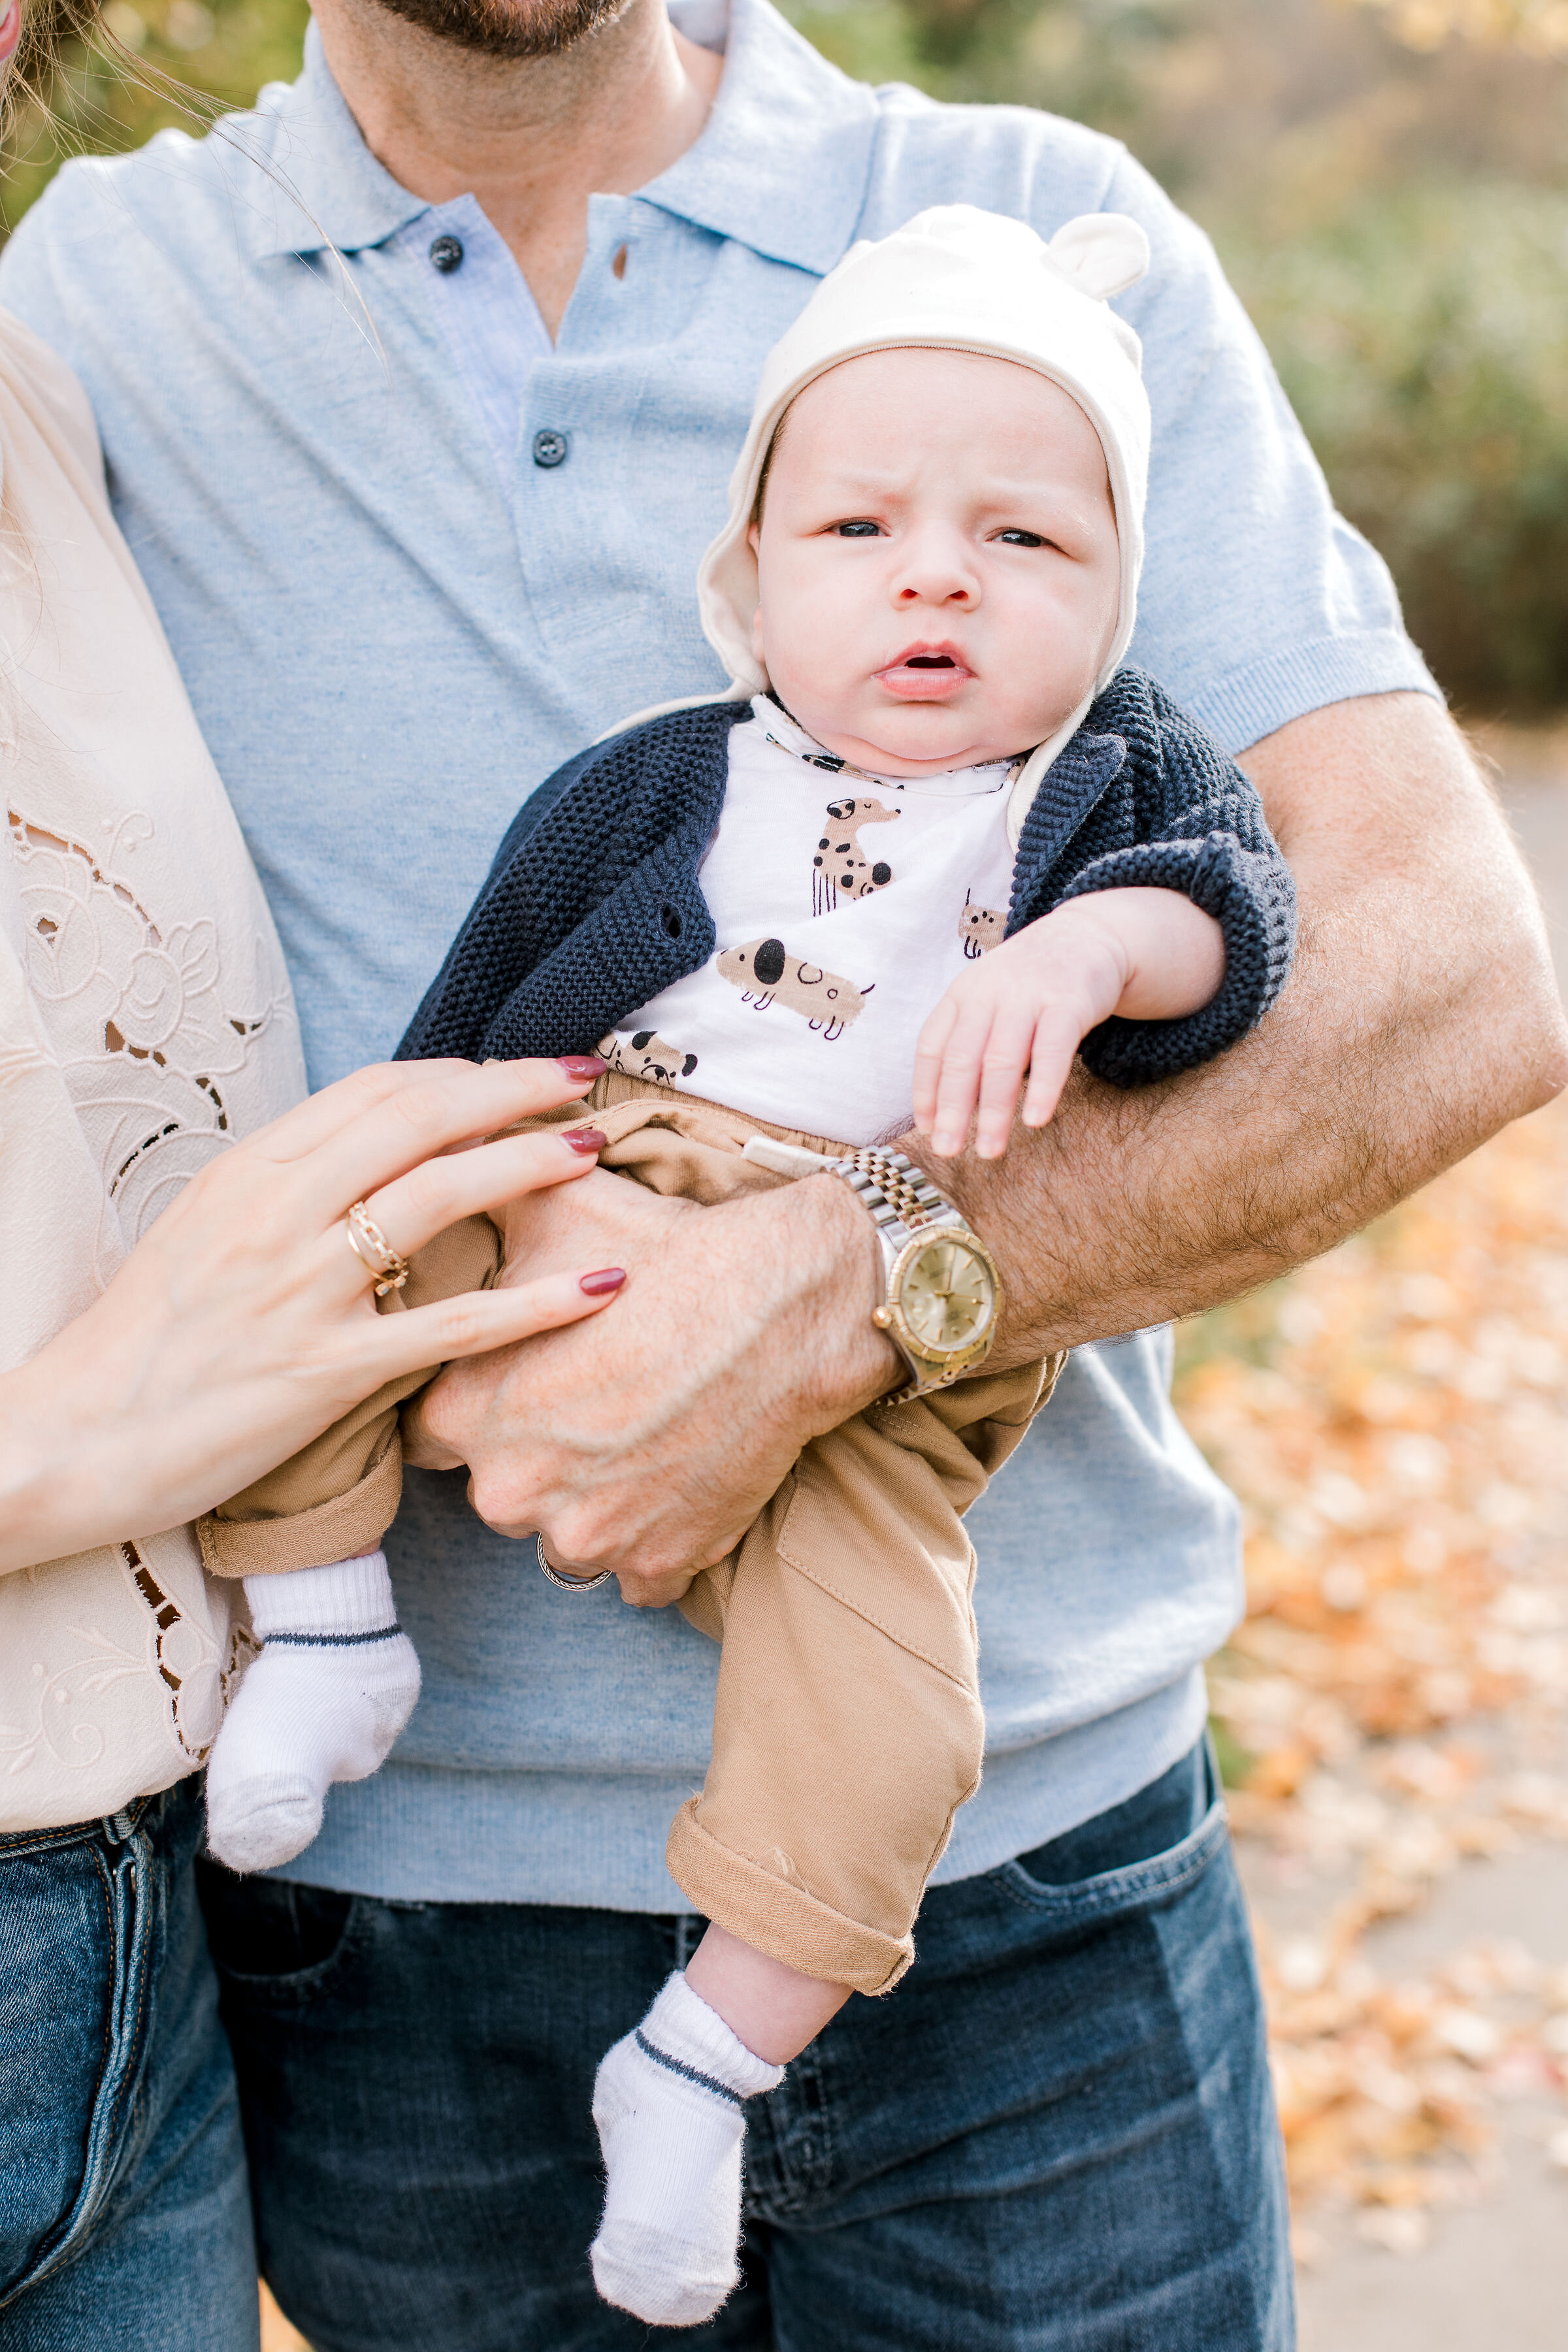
point(947, 1294)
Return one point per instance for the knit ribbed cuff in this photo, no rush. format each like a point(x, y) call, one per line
point(354, 1596)
point(695, 2040)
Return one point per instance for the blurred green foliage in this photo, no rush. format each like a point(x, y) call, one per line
point(1396, 219)
point(1397, 222)
point(1422, 337)
point(164, 62)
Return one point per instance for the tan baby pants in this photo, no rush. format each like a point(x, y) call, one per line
point(847, 1728)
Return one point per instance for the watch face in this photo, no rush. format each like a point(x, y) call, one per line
point(948, 1296)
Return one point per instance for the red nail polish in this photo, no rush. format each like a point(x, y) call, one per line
point(594, 1285)
point(581, 1065)
point(583, 1139)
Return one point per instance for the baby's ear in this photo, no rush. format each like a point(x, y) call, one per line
point(1102, 253)
point(757, 637)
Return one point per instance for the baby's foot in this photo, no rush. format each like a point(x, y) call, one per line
point(334, 1684)
point(667, 2104)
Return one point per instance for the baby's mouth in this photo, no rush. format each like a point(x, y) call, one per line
point(925, 674)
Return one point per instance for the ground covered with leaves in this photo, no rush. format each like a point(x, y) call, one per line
point(1392, 1419)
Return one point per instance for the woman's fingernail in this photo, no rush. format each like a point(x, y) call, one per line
point(609, 1277)
point(583, 1139)
point(581, 1065)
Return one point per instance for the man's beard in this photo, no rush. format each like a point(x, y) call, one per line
point(508, 28)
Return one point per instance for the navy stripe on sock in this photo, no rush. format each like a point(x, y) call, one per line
point(705, 2082)
point(330, 1641)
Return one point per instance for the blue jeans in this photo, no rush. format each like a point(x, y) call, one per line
point(124, 2215)
point(1055, 2133)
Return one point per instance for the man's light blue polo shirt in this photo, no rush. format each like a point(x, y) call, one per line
point(410, 557)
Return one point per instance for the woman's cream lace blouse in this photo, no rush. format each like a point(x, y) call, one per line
point(145, 1022)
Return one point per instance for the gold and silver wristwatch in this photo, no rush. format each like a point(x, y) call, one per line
point(943, 1294)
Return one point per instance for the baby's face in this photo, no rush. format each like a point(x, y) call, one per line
point(938, 559)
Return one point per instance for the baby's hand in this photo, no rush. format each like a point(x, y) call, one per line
point(1150, 955)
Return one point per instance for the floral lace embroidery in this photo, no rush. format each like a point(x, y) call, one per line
point(67, 1715)
point(134, 1010)
point(188, 1661)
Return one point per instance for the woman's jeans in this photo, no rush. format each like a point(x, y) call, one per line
point(124, 2215)
point(1055, 2133)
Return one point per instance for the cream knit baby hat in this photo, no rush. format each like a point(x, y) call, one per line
point(957, 279)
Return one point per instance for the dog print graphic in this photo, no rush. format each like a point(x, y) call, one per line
point(643, 1054)
point(765, 972)
point(841, 867)
point(981, 928)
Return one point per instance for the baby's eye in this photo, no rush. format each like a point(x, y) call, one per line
point(862, 529)
point(1020, 538)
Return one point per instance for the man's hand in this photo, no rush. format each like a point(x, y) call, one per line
point(743, 1331)
point(1421, 1017)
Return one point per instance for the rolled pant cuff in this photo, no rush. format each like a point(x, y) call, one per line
point(777, 1917)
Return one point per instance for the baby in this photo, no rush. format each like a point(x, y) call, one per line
point(934, 843)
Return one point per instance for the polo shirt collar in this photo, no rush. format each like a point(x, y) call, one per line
point(325, 188)
point(785, 156)
point(782, 163)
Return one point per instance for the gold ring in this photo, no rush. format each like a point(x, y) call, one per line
point(373, 1251)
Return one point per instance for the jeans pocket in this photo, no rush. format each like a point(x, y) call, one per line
point(77, 1956)
point(1136, 1886)
point(274, 1935)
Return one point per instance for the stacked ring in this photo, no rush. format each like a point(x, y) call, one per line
point(373, 1251)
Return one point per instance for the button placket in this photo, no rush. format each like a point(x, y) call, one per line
point(594, 532)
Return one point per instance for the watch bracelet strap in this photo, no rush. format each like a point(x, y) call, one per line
point(899, 1199)
point(893, 1191)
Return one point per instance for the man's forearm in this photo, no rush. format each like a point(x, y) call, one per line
point(1421, 1017)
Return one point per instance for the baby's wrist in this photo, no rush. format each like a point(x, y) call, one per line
point(1168, 954)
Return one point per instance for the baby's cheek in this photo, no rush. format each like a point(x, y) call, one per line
point(811, 636)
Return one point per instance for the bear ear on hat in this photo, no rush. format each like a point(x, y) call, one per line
point(1102, 253)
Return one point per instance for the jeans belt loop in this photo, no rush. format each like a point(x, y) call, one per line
point(120, 1828)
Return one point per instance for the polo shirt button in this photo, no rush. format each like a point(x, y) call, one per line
point(446, 253)
point(550, 448)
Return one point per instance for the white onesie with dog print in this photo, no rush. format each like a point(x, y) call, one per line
point(844, 903)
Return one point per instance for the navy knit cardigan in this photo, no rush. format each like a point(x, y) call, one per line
point(593, 905)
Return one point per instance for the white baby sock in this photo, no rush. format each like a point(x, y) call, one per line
point(667, 2104)
point(334, 1684)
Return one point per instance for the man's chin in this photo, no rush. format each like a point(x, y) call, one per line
point(507, 29)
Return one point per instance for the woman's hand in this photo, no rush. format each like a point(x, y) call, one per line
point(243, 1324)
